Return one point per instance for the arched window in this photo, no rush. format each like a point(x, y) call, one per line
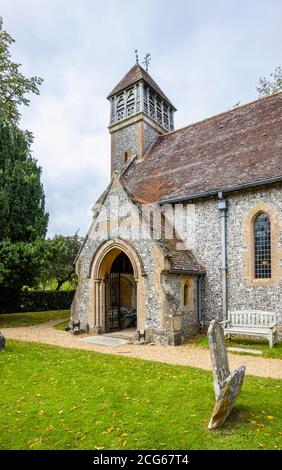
point(130, 103)
point(262, 245)
point(120, 108)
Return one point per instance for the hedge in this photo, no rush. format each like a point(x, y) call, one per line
point(36, 301)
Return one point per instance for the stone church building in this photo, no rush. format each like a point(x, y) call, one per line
point(190, 225)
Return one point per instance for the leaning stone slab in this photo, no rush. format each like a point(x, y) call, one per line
point(2, 342)
point(219, 357)
point(227, 398)
point(226, 386)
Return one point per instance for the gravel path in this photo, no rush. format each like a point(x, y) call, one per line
point(188, 354)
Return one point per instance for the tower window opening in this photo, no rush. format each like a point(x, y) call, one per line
point(120, 108)
point(159, 112)
point(151, 106)
point(166, 123)
point(145, 100)
point(130, 103)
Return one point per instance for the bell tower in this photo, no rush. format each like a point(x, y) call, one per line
point(140, 112)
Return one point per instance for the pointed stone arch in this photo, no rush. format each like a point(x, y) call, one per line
point(99, 267)
point(99, 260)
point(248, 236)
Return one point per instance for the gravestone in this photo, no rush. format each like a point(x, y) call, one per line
point(219, 358)
point(226, 386)
point(2, 342)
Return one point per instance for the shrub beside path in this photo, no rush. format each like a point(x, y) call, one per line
point(186, 355)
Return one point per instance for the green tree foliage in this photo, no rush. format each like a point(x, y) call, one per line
point(14, 86)
point(22, 202)
point(20, 265)
point(269, 86)
point(23, 220)
point(59, 256)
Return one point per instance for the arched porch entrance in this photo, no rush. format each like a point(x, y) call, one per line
point(115, 297)
point(120, 295)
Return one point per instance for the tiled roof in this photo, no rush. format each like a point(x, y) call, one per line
point(237, 147)
point(182, 260)
point(135, 74)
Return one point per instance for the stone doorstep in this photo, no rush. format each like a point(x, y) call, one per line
point(257, 352)
point(126, 334)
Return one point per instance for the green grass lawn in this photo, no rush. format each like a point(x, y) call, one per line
point(61, 326)
point(10, 320)
point(259, 344)
point(57, 398)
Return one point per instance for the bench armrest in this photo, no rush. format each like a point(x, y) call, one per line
point(224, 322)
point(272, 325)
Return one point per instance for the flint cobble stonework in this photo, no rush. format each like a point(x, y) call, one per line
point(142, 247)
point(241, 295)
point(208, 252)
point(161, 309)
point(150, 134)
point(123, 140)
point(134, 139)
point(207, 248)
point(168, 315)
point(179, 282)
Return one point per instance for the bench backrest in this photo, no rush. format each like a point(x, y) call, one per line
point(252, 318)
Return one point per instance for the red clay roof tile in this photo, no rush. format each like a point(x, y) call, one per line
point(239, 146)
point(135, 74)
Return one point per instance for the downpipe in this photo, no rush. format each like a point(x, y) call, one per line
point(201, 321)
point(222, 205)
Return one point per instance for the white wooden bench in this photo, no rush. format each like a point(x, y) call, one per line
point(252, 323)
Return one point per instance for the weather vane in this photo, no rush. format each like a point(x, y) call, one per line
point(136, 55)
point(147, 60)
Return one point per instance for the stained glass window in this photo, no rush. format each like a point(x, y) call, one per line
point(262, 239)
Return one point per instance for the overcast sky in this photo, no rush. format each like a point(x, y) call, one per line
point(206, 56)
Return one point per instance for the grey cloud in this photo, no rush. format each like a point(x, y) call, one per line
point(206, 55)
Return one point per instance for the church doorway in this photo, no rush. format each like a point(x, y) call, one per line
point(120, 295)
point(116, 289)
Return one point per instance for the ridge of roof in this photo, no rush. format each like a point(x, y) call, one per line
point(234, 148)
point(134, 75)
point(214, 116)
point(196, 123)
